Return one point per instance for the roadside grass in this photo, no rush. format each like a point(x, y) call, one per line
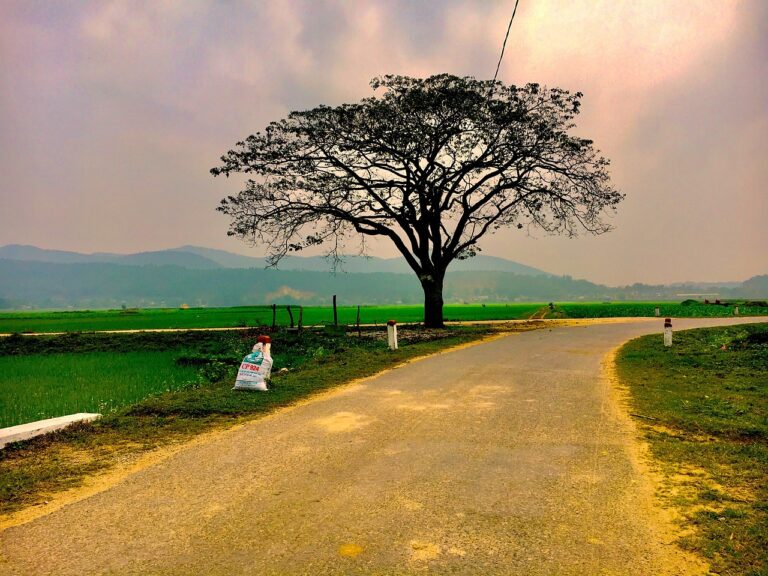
point(177, 318)
point(32, 471)
point(703, 407)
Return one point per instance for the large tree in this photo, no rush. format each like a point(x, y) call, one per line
point(431, 164)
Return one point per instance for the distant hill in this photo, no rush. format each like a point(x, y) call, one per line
point(197, 257)
point(359, 264)
point(168, 258)
point(83, 285)
point(756, 287)
point(223, 258)
point(181, 258)
point(108, 285)
point(35, 254)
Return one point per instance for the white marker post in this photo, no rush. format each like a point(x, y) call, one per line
point(667, 332)
point(392, 334)
point(656, 311)
point(735, 310)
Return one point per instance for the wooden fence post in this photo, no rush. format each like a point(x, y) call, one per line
point(290, 314)
point(359, 334)
point(335, 313)
point(274, 316)
point(301, 317)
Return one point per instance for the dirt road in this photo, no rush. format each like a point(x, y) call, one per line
point(510, 457)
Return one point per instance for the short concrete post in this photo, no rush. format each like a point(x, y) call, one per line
point(656, 311)
point(392, 334)
point(735, 310)
point(667, 332)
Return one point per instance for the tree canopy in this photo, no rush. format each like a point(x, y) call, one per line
point(432, 164)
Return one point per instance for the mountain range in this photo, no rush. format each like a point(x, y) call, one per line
point(35, 278)
point(199, 258)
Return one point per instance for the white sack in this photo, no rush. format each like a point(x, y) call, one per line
point(255, 369)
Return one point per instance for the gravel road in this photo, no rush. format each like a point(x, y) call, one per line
point(509, 457)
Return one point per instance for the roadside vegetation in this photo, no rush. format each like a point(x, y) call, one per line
point(31, 471)
point(686, 309)
point(239, 317)
point(703, 406)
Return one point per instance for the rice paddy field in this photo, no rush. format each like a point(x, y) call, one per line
point(35, 387)
point(165, 318)
point(172, 318)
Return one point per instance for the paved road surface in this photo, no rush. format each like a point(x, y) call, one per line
point(510, 457)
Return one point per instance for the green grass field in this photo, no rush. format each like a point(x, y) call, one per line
point(36, 387)
point(703, 406)
point(154, 318)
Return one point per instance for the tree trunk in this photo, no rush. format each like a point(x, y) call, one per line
point(433, 302)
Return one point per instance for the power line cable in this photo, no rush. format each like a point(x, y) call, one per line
point(503, 46)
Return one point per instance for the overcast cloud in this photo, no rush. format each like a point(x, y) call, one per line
point(112, 113)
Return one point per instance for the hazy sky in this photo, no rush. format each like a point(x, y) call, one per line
point(112, 113)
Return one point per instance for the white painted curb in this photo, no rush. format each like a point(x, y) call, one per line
point(32, 429)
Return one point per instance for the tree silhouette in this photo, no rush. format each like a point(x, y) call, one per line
point(431, 164)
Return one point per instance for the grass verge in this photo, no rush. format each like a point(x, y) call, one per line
point(689, 309)
point(32, 471)
point(703, 407)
